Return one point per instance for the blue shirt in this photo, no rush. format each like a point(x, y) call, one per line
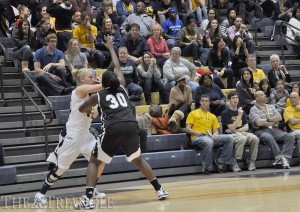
point(44, 57)
point(215, 93)
point(172, 28)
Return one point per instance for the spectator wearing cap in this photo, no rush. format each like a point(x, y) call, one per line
point(180, 97)
point(163, 10)
point(171, 27)
point(177, 65)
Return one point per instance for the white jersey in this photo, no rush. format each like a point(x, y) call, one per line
point(78, 121)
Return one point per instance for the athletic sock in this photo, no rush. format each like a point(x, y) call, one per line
point(155, 184)
point(89, 191)
point(45, 188)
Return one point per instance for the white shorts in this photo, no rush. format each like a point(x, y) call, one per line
point(70, 146)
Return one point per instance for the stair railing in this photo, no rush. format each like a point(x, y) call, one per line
point(255, 18)
point(286, 24)
point(47, 101)
point(1, 72)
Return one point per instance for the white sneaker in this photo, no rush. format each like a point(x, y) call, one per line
point(98, 194)
point(251, 165)
point(235, 166)
point(85, 203)
point(285, 163)
point(40, 200)
point(162, 194)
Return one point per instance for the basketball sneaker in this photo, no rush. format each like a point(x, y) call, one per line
point(278, 163)
point(285, 163)
point(85, 203)
point(40, 200)
point(162, 194)
point(98, 194)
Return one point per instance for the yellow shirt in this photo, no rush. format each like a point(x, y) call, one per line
point(129, 8)
point(202, 121)
point(82, 34)
point(288, 102)
point(291, 112)
point(258, 75)
point(196, 3)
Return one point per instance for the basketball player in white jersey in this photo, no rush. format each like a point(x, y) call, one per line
point(76, 138)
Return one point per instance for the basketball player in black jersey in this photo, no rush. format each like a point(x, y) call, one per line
point(120, 130)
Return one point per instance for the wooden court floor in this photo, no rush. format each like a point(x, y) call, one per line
point(253, 192)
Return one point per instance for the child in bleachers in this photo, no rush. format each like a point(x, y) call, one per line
point(278, 96)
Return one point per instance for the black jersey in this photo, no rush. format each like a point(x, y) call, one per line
point(114, 107)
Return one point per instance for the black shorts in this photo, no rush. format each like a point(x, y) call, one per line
point(124, 135)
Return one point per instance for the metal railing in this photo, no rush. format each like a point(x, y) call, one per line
point(255, 18)
point(286, 24)
point(47, 101)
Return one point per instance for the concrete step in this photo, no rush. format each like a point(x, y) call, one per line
point(12, 75)
point(270, 52)
point(9, 69)
point(19, 95)
point(14, 82)
point(29, 132)
point(29, 124)
point(10, 142)
point(18, 116)
point(28, 150)
point(18, 102)
point(17, 88)
point(18, 109)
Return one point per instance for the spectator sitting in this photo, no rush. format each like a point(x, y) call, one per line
point(293, 34)
point(45, 15)
point(226, 23)
point(177, 65)
point(245, 89)
point(86, 34)
point(217, 99)
point(211, 32)
point(171, 27)
point(62, 11)
point(203, 127)
point(264, 85)
point(295, 88)
point(258, 74)
point(180, 98)
point(212, 14)
point(129, 71)
point(107, 12)
point(151, 8)
point(158, 46)
point(76, 19)
point(240, 29)
point(75, 59)
point(125, 8)
point(23, 38)
point(219, 62)
point(107, 30)
point(82, 6)
point(141, 19)
point(238, 55)
point(135, 43)
point(43, 29)
point(49, 64)
point(278, 96)
point(24, 15)
point(190, 41)
point(150, 78)
point(234, 122)
point(265, 127)
point(278, 71)
point(163, 10)
point(292, 117)
point(199, 10)
point(184, 9)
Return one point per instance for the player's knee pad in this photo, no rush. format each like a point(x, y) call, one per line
point(54, 174)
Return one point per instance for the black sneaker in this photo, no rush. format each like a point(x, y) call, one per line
point(221, 167)
point(198, 63)
point(206, 172)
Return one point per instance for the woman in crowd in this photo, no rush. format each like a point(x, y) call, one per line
point(107, 30)
point(245, 89)
point(278, 71)
point(43, 29)
point(107, 12)
point(264, 85)
point(177, 65)
point(150, 78)
point(23, 38)
point(180, 98)
point(239, 54)
point(75, 59)
point(278, 96)
point(82, 6)
point(158, 46)
point(219, 61)
point(212, 31)
point(217, 98)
